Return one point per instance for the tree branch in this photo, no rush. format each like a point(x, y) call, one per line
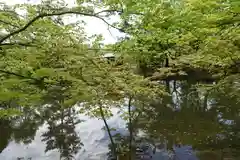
point(28, 44)
point(36, 81)
point(108, 10)
point(9, 12)
point(8, 23)
point(53, 14)
point(16, 74)
point(118, 11)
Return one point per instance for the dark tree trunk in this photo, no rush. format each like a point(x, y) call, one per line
point(109, 132)
point(167, 62)
point(130, 128)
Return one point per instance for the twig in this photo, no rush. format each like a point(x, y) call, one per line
point(13, 13)
point(25, 77)
point(111, 33)
point(28, 44)
point(8, 23)
point(113, 10)
point(16, 74)
point(109, 11)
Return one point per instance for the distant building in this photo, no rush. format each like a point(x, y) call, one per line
point(109, 56)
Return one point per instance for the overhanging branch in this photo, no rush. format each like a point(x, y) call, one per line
point(16, 74)
point(27, 44)
point(37, 81)
point(53, 14)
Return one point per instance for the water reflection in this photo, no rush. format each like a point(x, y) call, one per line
point(24, 127)
point(61, 133)
point(206, 120)
point(5, 134)
point(61, 120)
point(20, 129)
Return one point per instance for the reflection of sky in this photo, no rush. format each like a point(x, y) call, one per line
point(94, 26)
point(34, 149)
point(95, 141)
point(184, 153)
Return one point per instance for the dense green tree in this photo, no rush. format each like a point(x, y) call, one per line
point(45, 61)
point(180, 38)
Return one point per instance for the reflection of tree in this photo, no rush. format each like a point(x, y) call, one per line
point(5, 134)
point(61, 134)
point(195, 119)
point(25, 126)
point(126, 145)
point(21, 128)
point(225, 100)
point(123, 150)
point(61, 122)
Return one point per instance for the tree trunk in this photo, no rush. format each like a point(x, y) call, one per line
point(109, 133)
point(167, 62)
point(130, 128)
point(205, 102)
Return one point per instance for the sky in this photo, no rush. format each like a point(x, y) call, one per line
point(93, 26)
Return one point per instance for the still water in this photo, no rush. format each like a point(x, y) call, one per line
point(206, 122)
point(85, 140)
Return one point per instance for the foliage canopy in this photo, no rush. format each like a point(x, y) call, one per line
point(44, 60)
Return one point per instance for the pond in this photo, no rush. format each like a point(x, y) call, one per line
point(30, 137)
point(206, 122)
